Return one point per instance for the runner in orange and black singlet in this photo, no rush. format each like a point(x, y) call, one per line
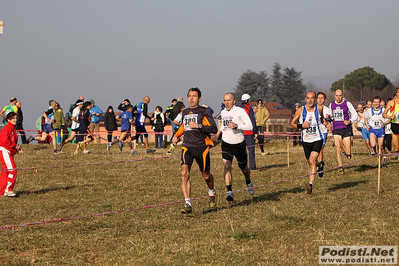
point(197, 126)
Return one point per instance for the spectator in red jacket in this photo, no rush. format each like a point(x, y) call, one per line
point(8, 148)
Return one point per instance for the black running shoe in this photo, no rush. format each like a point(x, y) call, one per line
point(309, 188)
point(321, 169)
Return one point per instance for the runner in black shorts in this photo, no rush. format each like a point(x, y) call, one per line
point(308, 119)
point(85, 136)
point(197, 126)
point(234, 121)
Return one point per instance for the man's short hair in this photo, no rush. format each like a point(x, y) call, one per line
point(321, 93)
point(86, 104)
point(377, 98)
point(195, 89)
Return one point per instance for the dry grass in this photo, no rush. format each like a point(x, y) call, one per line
point(279, 225)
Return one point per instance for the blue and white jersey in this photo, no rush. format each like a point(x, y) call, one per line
point(375, 118)
point(140, 119)
point(50, 115)
point(313, 132)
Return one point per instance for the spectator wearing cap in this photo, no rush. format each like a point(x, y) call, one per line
point(295, 137)
point(123, 105)
point(95, 113)
point(8, 109)
point(250, 135)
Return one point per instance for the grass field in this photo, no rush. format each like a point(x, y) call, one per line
point(279, 225)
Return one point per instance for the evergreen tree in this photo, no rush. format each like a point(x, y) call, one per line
point(276, 83)
point(293, 89)
point(253, 83)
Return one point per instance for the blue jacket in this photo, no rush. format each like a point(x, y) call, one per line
point(95, 118)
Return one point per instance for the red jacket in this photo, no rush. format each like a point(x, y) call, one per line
point(9, 138)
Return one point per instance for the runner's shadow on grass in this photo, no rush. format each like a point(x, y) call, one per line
point(365, 167)
point(40, 147)
point(347, 185)
point(273, 166)
point(275, 196)
point(46, 190)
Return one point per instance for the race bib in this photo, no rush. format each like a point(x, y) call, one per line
point(397, 117)
point(311, 131)
point(338, 115)
point(189, 118)
point(225, 122)
point(376, 124)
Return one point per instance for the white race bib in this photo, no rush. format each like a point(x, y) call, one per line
point(225, 122)
point(338, 115)
point(189, 118)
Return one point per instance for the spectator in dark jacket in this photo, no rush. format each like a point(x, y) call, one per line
point(19, 125)
point(158, 121)
point(123, 105)
point(177, 108)
point(110, 122)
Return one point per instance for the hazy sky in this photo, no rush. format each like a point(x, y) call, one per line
point(112, 50)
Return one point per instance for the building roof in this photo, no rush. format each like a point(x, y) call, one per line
point(277, 109)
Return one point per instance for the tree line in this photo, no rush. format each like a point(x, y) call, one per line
point(283, 85)
point(286, 85)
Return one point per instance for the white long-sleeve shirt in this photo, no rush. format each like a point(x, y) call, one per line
point(240, 118)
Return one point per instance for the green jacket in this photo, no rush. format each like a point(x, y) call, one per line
point(262, 116)
point(59, 120)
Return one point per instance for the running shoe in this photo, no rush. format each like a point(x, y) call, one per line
point(229, 196)
point(133, 152)
point(150, 151)
point(265, 153)
point(349, 156)
point(87, 151)
point(212, 202)
point(57, 152)
point(321, 169)
point(341, 171)
point(109, 145)
point(172, 146)
point(120, 145)
point(169, 153)
point(80, 145)
point(9, 194)
point(186, 209)
point(76, 153)
point(309, 188)
point(29, 140)
point(251, 189)
point(372, 153)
